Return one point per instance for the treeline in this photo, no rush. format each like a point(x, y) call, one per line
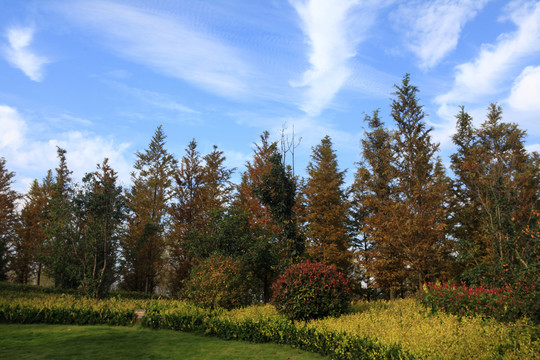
point(404, 220)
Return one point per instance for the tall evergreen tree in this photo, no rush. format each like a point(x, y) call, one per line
point(500, 183)
point(8, 215)
point(28, 255)
point(327, 209)
point(99, 208)
point(372, 197)
point(422, 190)
point(277, 192)
point(148, 202)
point(263, 226)
point(61, 235)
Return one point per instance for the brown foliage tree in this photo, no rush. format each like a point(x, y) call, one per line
point(326, 220)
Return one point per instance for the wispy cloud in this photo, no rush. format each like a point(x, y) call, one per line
point(156, 99)
point(333, 29)
point(495, 63)
point(432, 28)
point(165, 44)
point(19, 54)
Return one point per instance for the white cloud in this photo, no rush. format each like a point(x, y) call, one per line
point(13, 128)
point(486, 73)
point(165, 44)
point(433, 28)
point(20, 56)
point(525, 94)
point(333, 29)
point(34, 157)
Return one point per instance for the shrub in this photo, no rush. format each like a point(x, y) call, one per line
point(311, 290)
point(218, 281)
point(463, 300)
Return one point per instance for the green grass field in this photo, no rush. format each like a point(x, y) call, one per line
point(108, 342)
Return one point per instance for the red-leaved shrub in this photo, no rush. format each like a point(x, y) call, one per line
point(311, 290)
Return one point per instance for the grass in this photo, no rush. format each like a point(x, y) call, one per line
point(108, 342)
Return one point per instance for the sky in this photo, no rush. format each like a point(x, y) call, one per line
point(97, 78)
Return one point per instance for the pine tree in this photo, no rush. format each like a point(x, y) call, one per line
point(148, 202)
point(8, 215)
point(61, 239)
point(327, 209)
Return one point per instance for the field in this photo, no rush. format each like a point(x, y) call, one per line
point(401, 329)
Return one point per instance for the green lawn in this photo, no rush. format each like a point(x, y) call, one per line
point(107, 342)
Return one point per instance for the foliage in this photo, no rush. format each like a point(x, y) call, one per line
point(466, 300)
point(148, 203)
point(311, 290)
point(408, 228)
point(8, 215)
point(100, 211)
point(218, 281)
point(28, 247)
point(497, 186)
point(262, 224)
point(327, 209)
point(372, 195)
point(373, 330)
point(61, 238)
point(277, 191)
point(64, 309)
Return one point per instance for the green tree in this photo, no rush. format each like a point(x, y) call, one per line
point(327, 209)
point(8, 215)
point(61, 240)
point(277, 191)
point(148, 202)
point(99, 208)
point(262, 224)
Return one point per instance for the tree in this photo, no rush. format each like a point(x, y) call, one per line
point(148, 202)
point(61, 240)
point(187, 213)
point(327, 209)
point(499, 183)
point(100, 211)
point(262, 223)
point(421, 211)
point(29, 245)
point(277, 192)
point(202, 184)
point(372, 196)
point(8, 215)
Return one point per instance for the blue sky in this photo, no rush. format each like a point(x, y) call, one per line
point(98, 77)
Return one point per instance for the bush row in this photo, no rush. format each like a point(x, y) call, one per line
point(261, 327)
point(32, 290)
point(65, 309)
